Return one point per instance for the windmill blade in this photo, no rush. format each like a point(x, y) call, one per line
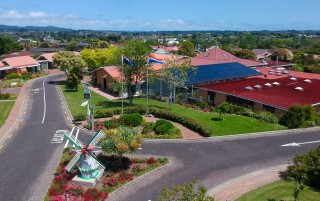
point(73, 162)
point(96, 138)
point(73, 140)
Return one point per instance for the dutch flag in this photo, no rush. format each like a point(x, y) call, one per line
point(154, 60)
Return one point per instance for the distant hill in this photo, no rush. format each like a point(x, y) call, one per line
point(32, 28)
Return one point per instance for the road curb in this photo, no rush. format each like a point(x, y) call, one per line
point(238, 186)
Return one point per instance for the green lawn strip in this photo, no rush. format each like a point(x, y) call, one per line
point(5, 108)
point(8, 82)
point(231, 124)
point(280, 190)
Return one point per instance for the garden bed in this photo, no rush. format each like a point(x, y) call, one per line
point(115, 176)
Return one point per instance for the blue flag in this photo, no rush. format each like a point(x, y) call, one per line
point(127, 61)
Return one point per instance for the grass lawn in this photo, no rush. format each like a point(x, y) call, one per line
point(5, 108)
point(280, 190)
point(8, 82)
point(231, 124)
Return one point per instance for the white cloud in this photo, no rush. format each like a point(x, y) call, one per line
point(39, 18)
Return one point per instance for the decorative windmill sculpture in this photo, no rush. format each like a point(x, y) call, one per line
point(85, 158)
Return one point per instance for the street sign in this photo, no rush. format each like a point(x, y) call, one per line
point(87, 94)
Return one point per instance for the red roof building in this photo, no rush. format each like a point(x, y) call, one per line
point(19, 65)
point(218, 56)
point(272, 92)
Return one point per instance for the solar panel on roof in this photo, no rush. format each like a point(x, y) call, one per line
point(216, 72)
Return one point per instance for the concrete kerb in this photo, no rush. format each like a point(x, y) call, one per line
point(237, 187)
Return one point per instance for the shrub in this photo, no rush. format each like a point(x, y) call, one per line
point(266, 117)
point(26, 76)
point(13, 76)
point(80, 117)
point(5, 96)
point(92, 194)
point(198, 103)
point(111, 124)
point(152, 160)
point(162, 127)
point(295, 117)
point(147, 128)
point(134, 119)
point(235, 109)
point(188, 122)
point(247, 112)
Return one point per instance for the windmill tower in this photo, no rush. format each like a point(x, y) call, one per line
point(90, 168)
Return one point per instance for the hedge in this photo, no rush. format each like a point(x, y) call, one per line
point(188, 122)
point(134, 119)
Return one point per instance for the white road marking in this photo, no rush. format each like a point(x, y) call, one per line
point(67, 142)
point(294, 144)
point(76, 135)
point(44, 101)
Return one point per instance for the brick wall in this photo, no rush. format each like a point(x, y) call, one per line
point(220, 98)
point(279, 112)
point(257, 106)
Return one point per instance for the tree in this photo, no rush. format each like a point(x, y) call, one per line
point(8, 45)
point(136, 51)
point(305, 169)
point(175, 74)
point(73, 46)
point(71, 64)
point(223, 108)
point(75, 76)
point(152, 42)
point(294, 118)
point(188, 191)
point(186, 48)
point(247, 41)
point(283, 54)
point(44, 45)
point(120, 141)
point(246, 54)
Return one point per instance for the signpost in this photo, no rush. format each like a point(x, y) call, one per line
point(90, 114)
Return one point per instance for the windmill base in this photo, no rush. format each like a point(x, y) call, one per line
point(87, 182)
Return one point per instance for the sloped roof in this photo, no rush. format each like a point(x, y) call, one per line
point(282, 96)
point(219, 56)
point(22, 61)
point(259, 51)
point(215, 72)
point(47, 56)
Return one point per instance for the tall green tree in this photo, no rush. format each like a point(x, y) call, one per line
point(246, 54)
point(136, 51)
point(72, 64)
point(175, 74)
point(247, 41)
point(8, 45)
point(186, 48)
point(73, 46)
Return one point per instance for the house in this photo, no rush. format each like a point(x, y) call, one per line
point(46, 61)
point(19, 65)
point(275, 92)
point(109, 78)
point(219, 56)
point(262, 53)
point(164, 49)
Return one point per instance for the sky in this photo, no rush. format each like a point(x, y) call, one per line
point(164, 15)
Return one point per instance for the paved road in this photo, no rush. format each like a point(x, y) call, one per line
point(215, 162)
point(28, 158)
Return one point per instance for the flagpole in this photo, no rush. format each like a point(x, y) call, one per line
point(122, 84)
point(147, 111)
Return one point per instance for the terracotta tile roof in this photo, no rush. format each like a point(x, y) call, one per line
point(47, 56)
point(22, 61)
point(166, 49)
point(282, 96)
point(280, 63)
point(17, 54)
point(219, 56)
